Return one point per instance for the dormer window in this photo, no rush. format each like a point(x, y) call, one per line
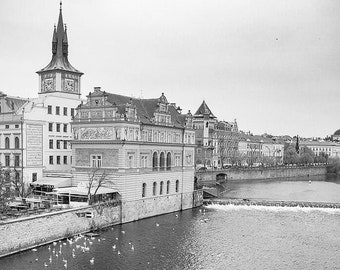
point(162, 107)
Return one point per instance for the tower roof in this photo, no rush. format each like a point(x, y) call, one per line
point(204, 110)
point(59, 59)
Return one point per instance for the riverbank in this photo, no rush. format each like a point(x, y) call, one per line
point(252, 202)
point(234, 174)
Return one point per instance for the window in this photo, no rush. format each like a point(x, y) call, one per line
point(34, 177)
point(144, 161)
point(16, 126)
point(58, 144)
point(72, 112)
point(16, 143)
point(161, 188)
point(167, 187)
point(6, 126)
point(51, 144)
point(7, 160)
point(155, 161)
point(168, 161)
point(177, 185)
point(50, 126)
point(57, 110)
point(65, 160)
point(17, 176)
point(65, 127)
point(96, 161)
point(144, 190)
point(65, 111)
point(162, 161)
point(130, 161)
point(7, 143)
point(177, 161)
point(16, 161)
point(65, 144)
point(58, 159)
point(49, 109)
point(58, 127)
point(51, 160)
point(154, 188)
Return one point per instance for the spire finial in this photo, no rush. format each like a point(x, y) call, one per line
point(61, 3)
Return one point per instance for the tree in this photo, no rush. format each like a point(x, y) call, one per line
point(97, 178)
point(321, 158)
point(290, 156)
point(7, 188)
point(306, 156)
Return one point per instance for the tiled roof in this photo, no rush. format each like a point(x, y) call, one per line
point(145, 108)
point(204, 110)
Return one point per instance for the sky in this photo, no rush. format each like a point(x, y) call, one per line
point(274, 66)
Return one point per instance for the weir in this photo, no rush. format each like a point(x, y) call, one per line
point(253, 202)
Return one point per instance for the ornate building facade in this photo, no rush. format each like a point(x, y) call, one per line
point(145, 148)
point(217, 141)
point(36, 133)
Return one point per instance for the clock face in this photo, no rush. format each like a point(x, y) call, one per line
point(48, 84)
point(69, 85)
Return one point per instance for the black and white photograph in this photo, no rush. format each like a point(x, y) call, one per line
point(170, 134)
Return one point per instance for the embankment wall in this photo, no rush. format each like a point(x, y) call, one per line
point(210, 177)
point(24, 233)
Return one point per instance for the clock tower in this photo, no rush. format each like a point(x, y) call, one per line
point(59, 76)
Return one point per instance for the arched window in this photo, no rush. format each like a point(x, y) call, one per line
point(168, 161)
point(167, 187)
point(162, 161)
point(144, 190)
point(155, 161)
point(7, 143)
point(16, 143)
point(154, 188)
point(177, 185)
point(161, 188)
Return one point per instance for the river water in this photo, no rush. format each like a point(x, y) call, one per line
point(211, 237)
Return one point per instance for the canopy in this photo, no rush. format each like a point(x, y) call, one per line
point(84, 190)
point(53, 182)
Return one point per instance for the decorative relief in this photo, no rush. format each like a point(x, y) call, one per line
point(109, 114)
point(96, 133)
point(96, 114)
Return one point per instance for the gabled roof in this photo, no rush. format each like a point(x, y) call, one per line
point(145, 108)
point(13, 103)
point(59, 59)
point(204, 110)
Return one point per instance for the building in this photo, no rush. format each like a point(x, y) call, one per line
point(217, 141)
point(36, 133)
point(329, 149)
point(144, 148)
point(259, 150)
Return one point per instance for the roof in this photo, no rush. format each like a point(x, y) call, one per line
point(337, 132)
point(53, 181)
point(146, 108)
point(204, 110)
point(317, 143)
point(60, 49)
point(84, 190)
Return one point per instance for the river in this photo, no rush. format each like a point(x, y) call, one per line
point(211, 237)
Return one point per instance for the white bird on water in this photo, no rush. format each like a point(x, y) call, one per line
point(157, 224)
point(132, 248)
point(45, 264)
point(114, 247)
point(92, 261)
point(118, 252)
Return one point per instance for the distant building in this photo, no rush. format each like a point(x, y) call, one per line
point(217, 141)
point(257, 150)
point(331, 149)
point(145, 146)
point(35, 133)
point(336, 136)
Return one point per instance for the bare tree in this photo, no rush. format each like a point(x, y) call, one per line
point(97, 178)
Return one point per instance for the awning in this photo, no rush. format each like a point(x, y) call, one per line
point(53, 182)
point(84, 190)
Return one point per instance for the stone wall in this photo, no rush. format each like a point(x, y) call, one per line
point(25, 233)
point(210, 177)
point(148, 207)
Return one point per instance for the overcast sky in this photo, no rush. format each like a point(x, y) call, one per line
point(272, 65)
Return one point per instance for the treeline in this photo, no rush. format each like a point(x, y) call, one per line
point(302, 156)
